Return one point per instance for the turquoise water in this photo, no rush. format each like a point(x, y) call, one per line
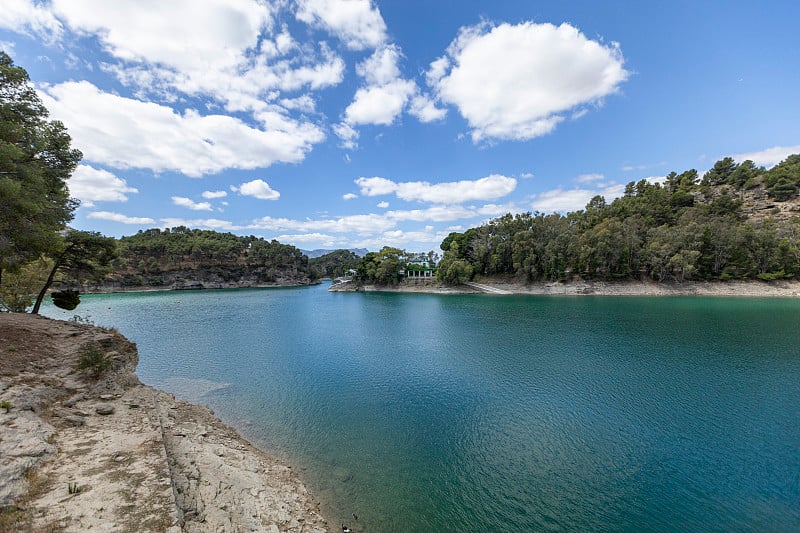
point(479, 413)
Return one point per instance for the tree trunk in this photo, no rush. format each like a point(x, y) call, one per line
point(43, 292)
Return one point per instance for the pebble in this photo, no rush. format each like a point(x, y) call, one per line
point(104, 409)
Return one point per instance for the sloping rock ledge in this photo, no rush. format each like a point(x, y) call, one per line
point(149, 463)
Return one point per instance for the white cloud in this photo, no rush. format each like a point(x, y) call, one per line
point(230, 52)
point(357, 23)
point(179, 34)
point(373, 224)
point(517, 81)
point(126, 133)
point(117, 217)
point(770, 156)
point(361, 224)
point(381, 67)
point(323, 239)
point(91, 185)
point(562, 200)
point(349, 196)
point(376, 186)
point(379, 104)
point(425, 109)
point(589, 178)
point(527, 175)
point(258, 189)
point(206, 223)
point(455, 192)
point(383, 205)
point(190, 204)
point(304, 103)
point(211, 195)
point(347, 135)
point(30, 18)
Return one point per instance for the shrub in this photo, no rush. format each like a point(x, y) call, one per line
point(94, 360)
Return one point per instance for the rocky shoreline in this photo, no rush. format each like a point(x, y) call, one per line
point(93, 448)
point(761, 289)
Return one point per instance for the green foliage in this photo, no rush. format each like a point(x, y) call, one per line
point(19, 288)
point(68, 299)
point(35, 162)
point(391, 265)
point(335, 263)
point(6, 406)
point(83, 255)
point(783, 180)
point(94, 360)
point(144, 257)
point(679, 231)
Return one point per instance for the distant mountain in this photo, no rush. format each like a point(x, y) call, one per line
point(360, 252)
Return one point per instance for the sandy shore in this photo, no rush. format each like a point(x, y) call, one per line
point(775, 289)
point(81, 453)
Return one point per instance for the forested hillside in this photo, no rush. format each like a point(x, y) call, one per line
point(739, 222)
point(185, 258)
point(335, 263)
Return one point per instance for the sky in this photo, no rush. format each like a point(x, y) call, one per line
point(364, 123)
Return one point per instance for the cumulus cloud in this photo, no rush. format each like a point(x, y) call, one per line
point(258, 189)
point(384, 96)
point(770, 156)
point(516, 82)
point(89, 185)
point(190, 204)
point(349, 196)
point(211, 195)
point(229, 51)
point(175, 33)
point(357, 23)
point(455, 192)
point(425, 109)
point(379, 104)
point(383, 205)
point(118, 217)
point(126, 133)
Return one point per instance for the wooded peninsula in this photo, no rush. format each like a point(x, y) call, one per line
point(738, 222)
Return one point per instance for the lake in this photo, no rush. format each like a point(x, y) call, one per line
point(495, 413)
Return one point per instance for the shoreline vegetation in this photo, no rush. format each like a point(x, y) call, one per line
point(88, 446)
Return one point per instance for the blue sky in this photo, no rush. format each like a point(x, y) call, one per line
point(358, 123)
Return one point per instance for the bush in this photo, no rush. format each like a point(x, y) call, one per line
point(94, 360)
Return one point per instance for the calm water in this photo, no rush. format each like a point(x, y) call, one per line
point(478, 413)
